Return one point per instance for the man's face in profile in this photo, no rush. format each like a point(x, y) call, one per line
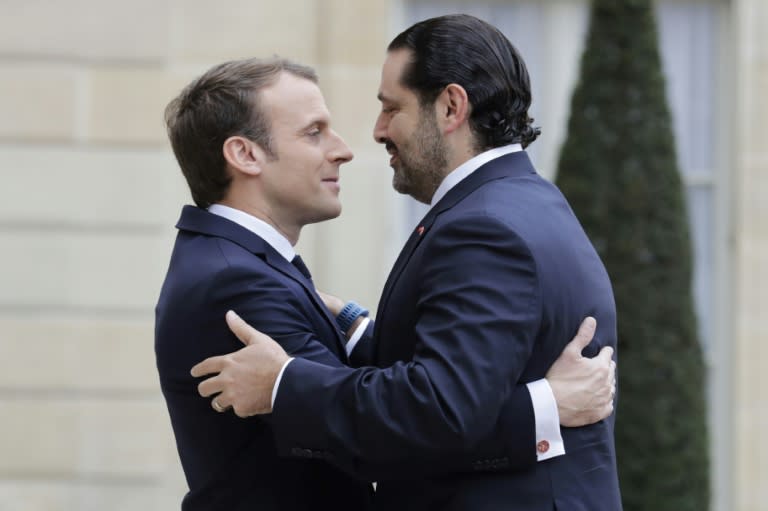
point(301, 182)
point(410, 133)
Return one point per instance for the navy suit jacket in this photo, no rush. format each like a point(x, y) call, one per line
point(232, 463)
point(484, 295)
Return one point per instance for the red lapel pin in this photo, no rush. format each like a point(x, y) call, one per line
point(420, 230)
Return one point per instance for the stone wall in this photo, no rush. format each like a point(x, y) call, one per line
point(89, 196)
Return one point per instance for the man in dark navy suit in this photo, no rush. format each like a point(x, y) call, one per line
point(258, 171)
point(492, 282)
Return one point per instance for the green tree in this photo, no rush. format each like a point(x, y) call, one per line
point(618, 169)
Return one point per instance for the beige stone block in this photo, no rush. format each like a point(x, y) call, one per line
point(752, 288)
point(77, 495)
point(750, 379)
point(107, 270)
point(35, 495)
point(759, 20)
point(37, 102)
point(106, 437)
point(90, 187)
point(108, 29)
point(756, 108)
point(752, 205)
point(245, 28)
point(61, 355)
point(755, 161)
point(372, 221)
point(750, 403)
point(354, 33)
point(350, 94)
point(751, 457)
point(126, 105)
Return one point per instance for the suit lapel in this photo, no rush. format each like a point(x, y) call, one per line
point(279, 263)
point(510, 165)
point(198, 220)
point(402, 260)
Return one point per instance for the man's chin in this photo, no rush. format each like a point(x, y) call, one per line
point(330, 214)
point(399, 185)
point(404, 189)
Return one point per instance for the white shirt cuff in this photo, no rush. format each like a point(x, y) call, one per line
point(359, 331)
point(277, 381)
point(549, 441)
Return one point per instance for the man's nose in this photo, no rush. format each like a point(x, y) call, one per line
point(380, 130)
point(342, 153)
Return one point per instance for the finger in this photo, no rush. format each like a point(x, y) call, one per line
point(605, 356)
point(608, 410)
point(210, 386)
point(220, 403)
point(208, 366)
point(240, 413)
point(583, 336)
point(216, 405)
point(245, 332)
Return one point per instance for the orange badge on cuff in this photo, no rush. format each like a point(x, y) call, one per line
point(542, 446)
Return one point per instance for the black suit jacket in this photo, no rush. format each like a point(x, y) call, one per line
point(484, 296)
point(231, 463)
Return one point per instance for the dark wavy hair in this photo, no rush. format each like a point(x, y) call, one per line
point(221, 103)
point(467, 51)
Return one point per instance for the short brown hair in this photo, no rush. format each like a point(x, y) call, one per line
point(222, 103)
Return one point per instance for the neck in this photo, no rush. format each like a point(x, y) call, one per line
point(461, 148)
point(256, 209)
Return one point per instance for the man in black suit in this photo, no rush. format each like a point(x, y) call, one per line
point(258, 169)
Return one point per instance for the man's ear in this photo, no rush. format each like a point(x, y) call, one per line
point(244, 155)
point(452, 107)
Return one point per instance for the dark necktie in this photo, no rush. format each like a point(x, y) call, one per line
point(298, 263)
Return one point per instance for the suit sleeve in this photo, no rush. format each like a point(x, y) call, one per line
point(271, 306)
point(475, 331)
point(511, 445)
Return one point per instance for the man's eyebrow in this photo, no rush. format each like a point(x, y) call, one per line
point(317, 121)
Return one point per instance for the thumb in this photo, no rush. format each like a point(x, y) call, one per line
point(583, 336)
point(245, 332)
point(606, 355)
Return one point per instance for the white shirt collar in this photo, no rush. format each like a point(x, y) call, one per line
point(259, 227)
point(469, 166)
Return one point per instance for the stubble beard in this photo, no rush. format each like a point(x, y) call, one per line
point(423, 161)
